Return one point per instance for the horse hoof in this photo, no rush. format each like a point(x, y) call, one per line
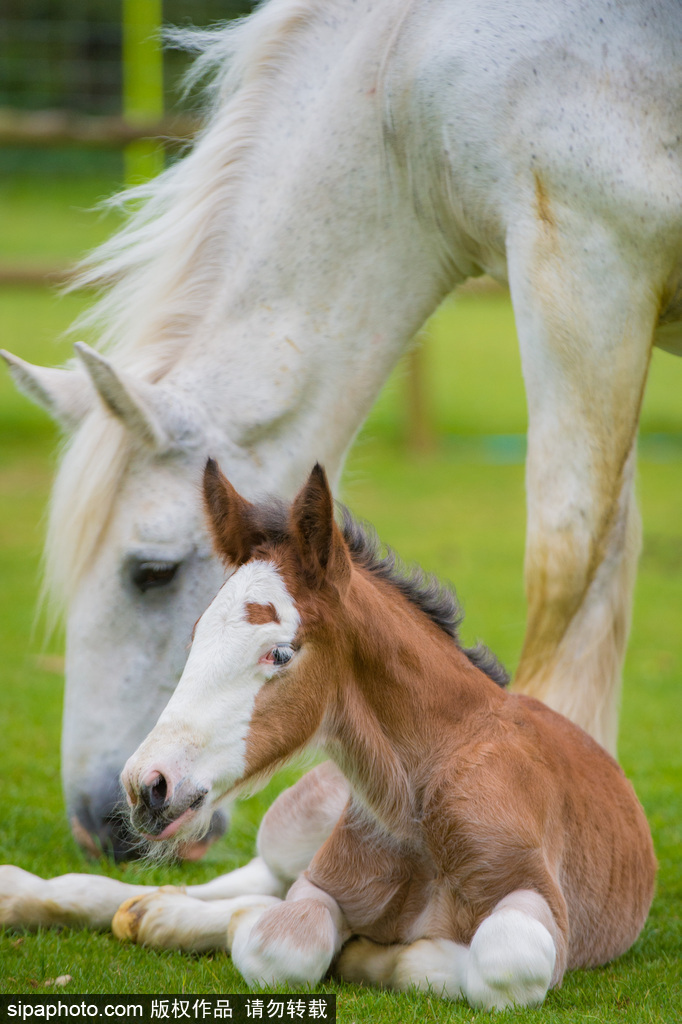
point(126, 921)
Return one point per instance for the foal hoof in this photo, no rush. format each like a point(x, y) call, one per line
point(127, 923)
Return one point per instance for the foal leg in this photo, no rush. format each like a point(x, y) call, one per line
point(436, 965)
point(512, 959)
point(294, 827)
point(292, 830)
point(515, 955)
point(292, 943)
point(77, 901)
point(585, 314)
point(171, 919)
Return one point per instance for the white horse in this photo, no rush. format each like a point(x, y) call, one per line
point(359, 160)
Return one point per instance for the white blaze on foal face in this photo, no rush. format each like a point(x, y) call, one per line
point(196, 752)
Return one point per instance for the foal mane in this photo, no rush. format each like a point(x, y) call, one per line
point(424, 590)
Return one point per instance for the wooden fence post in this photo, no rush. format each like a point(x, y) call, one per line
point(420, 436)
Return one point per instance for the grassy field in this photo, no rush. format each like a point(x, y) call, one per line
point(459, 511)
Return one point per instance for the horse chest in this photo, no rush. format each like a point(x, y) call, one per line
point(381, 890)
point(385, 912)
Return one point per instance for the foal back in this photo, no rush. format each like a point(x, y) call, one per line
point(543, 806)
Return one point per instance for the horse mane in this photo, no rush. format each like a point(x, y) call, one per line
point(424, 590)
point(159, 271)
point(156, 275)
point(430, 595)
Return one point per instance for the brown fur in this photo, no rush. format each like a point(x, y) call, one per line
point(461, 792)
point(257, 614)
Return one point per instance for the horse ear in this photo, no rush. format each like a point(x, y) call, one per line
point(319, 542)
point(231, 518)
point(65, 394)
point(154, 414)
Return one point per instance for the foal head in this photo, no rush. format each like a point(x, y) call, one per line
point(255, 685)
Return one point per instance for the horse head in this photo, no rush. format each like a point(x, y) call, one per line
point(129, 554)
point(261, 670)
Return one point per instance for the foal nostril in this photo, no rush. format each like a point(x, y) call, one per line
point(154, 794)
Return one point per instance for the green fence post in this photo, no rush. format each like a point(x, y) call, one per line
point(142, 84)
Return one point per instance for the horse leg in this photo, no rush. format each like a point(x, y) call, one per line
point(291, 943)
point(585, 321)
point(516, 953)
point(170, 919)
point(78, 901)
point(436, 965)
point(292, 830)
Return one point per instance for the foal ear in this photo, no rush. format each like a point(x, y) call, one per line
point(312, 517)
point(230, 517)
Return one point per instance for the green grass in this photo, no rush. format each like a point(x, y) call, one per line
point(467, 522)
point(462, 518)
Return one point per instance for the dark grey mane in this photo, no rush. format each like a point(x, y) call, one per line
point(422, 589)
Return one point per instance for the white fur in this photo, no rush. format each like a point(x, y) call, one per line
point(201, 734)
point(511, 961)
point(359, 160)
point(91, 901)
point(174, 920)
point(254, 878)
point(435, 965)
point(283, 961)
point(291, 943)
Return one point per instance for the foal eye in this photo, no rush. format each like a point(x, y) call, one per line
point(279, 655)
point(148, 575)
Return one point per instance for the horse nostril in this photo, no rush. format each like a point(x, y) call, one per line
point(158, 793)
point(155, 794)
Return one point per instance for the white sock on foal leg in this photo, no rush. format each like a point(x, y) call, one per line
point(300, 820)
point(293, 942)
point(169, 919)
point(88, 901)
point(436, 965)
point(255, 878)
point(512, 954)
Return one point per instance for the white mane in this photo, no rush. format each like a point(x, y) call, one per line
point(160, 270)
point(158, 274)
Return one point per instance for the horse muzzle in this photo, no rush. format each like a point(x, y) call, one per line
point(160, 806)
point(101, 824)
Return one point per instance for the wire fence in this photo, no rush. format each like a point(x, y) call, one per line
point(67, 54)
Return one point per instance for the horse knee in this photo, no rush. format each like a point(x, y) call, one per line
point(511, 961)
point(291, 943)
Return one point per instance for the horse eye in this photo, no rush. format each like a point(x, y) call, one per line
point(282, 654)
point(147, 575)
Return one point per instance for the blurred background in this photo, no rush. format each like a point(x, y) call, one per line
point(85, 94)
